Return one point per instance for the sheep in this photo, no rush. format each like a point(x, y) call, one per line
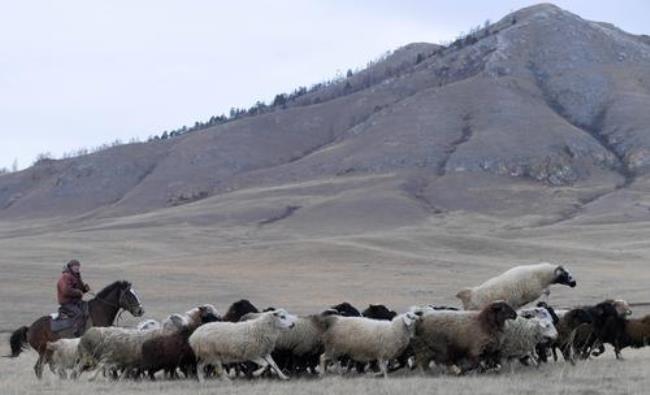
point(63, 355)
point(378, 312)
point(201, 314)
point(517, 286)
point(345, 309)
point(567, 325)
point(608, 327)
point(605, 317)
point(148, 324)
point(428, 309)
point(113, 348)
point(171, 350)
point(298, 350)
point(544, 312)
point(238, 309)
point(253, 340)
point(170, 324)
point(451, 337)
point(522, 335)
point(636, 333)
point(365, 339)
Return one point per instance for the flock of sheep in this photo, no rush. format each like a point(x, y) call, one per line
point(493, 327)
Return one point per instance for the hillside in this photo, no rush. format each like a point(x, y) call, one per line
point(542, 116)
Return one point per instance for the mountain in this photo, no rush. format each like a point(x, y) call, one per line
point(542, 116)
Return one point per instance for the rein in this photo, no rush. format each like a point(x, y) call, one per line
point(120, 309)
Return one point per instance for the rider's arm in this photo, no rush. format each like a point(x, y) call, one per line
point(70, 291)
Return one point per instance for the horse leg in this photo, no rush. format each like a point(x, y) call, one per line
point(38, 367)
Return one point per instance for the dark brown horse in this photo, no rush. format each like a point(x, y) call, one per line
point(103, 309)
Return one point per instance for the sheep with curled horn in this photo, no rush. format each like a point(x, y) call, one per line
point(517, 286)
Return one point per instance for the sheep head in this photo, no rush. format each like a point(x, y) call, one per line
point(282, 319)
point(409, 320)
point(494, 316)
point(562, 276)
point(208, 313)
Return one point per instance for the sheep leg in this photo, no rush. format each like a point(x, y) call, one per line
point(99, 368)
point(218, 369)
point(51, 365)
point(200, 371)
point(383, 367)
point(262, 366)
point(124, 374)
point(275, 367)
point(323, 364)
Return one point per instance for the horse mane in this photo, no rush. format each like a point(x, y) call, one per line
point(120, 284)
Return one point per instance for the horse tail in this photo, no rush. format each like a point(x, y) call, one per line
point(18, 341)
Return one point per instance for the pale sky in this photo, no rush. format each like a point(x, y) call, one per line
point(78, 74)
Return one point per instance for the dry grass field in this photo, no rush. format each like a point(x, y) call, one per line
point(602, 376)
point(178, 258)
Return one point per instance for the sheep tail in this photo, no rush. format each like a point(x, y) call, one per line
point(18, 341)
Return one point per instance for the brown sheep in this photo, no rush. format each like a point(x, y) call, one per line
point(454, 337)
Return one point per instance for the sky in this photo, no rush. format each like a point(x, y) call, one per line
point(77, 74)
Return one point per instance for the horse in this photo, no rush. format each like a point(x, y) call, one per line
point(103, 309)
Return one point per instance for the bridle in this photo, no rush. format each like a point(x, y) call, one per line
point(118, 305)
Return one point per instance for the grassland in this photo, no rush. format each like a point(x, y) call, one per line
point(176, 263)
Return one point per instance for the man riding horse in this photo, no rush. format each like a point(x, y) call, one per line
point(70, 290)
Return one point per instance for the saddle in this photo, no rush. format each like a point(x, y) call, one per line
point(70, 319)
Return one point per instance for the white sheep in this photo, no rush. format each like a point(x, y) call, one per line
point(517, 286)
point(303, 340)
point(148, 325)
point(522, 335)
point(365, 340)
point(63, 356)
point(253, 340)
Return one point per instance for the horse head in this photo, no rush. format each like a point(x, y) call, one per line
point(130, 301)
